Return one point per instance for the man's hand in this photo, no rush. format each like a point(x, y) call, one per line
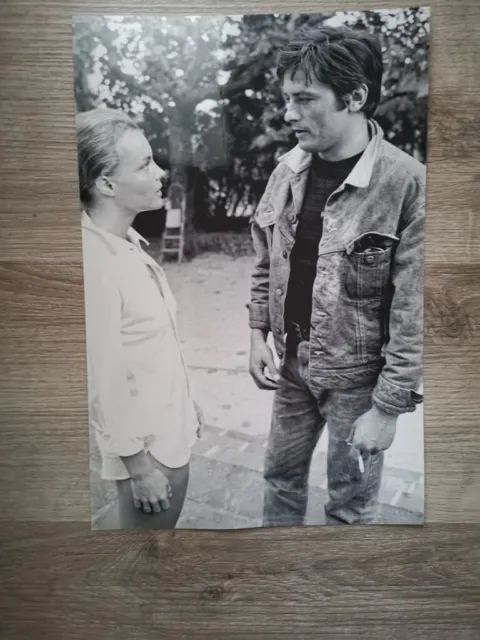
point(151, 491)
point(374, 431)
point(201, 420)
point(261, 356)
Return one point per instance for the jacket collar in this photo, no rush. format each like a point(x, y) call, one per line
point(298, 160)
point(114, 242)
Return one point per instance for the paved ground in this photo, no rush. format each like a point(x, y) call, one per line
point(225, 490)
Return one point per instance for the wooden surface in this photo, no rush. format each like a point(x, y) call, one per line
point(59, 580)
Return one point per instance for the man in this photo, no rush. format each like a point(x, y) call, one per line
point(338, 236)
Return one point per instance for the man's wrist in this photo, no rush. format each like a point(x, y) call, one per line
point(384, 415)
point(259, 334)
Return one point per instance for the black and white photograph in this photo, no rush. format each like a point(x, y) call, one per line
point(252, 202)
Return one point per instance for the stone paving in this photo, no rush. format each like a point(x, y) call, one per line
point(226, 484)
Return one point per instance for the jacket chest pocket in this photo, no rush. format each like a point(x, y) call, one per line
point(367, 264)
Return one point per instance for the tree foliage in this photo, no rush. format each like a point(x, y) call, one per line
point(205, 92)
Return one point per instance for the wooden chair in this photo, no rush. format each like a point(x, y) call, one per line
point(173, 238)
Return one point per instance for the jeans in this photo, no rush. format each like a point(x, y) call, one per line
point(298, 419)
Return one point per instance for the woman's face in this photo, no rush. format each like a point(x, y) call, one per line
point(137, 180)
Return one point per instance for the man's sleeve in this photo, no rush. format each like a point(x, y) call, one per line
point(107, 370)
point(397, 386)
point(259, 314)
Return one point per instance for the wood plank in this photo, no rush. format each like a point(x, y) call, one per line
point(60, 580)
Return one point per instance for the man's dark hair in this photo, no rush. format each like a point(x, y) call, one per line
point(339, 57)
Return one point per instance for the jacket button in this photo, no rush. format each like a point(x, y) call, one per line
point(369, 259)
point(279, 331)
point(298, 178)
point(278, 292)
point(285, 254)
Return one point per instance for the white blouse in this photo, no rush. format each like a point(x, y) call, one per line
point(139, 395)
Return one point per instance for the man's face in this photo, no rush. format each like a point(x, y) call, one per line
point(317, 117)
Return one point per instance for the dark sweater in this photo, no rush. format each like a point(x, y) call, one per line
point(324, 178)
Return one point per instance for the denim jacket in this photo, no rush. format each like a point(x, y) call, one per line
point(367, 307)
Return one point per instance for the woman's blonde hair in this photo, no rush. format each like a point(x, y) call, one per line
point(98, 132)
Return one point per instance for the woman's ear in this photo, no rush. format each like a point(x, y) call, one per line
point(105, 186)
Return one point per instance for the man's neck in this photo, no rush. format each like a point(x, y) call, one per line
point(111, 218)
point(355, 140)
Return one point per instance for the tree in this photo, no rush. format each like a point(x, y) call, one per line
point(206, 94)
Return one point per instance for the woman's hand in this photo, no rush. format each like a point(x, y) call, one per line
point(151, 491)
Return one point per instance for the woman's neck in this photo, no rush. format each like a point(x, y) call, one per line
point(111, 218)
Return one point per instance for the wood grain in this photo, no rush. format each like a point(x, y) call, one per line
point(60, 580)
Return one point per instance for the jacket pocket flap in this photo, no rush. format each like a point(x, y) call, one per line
point(372, 241)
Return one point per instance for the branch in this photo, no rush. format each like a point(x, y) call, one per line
point(230, 89)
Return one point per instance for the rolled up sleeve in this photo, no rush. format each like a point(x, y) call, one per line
point(259, 315)
point(401, 377)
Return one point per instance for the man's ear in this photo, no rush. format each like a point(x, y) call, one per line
point(105, 186)
point(356, 100)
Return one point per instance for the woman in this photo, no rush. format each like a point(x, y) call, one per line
point(139, 398)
